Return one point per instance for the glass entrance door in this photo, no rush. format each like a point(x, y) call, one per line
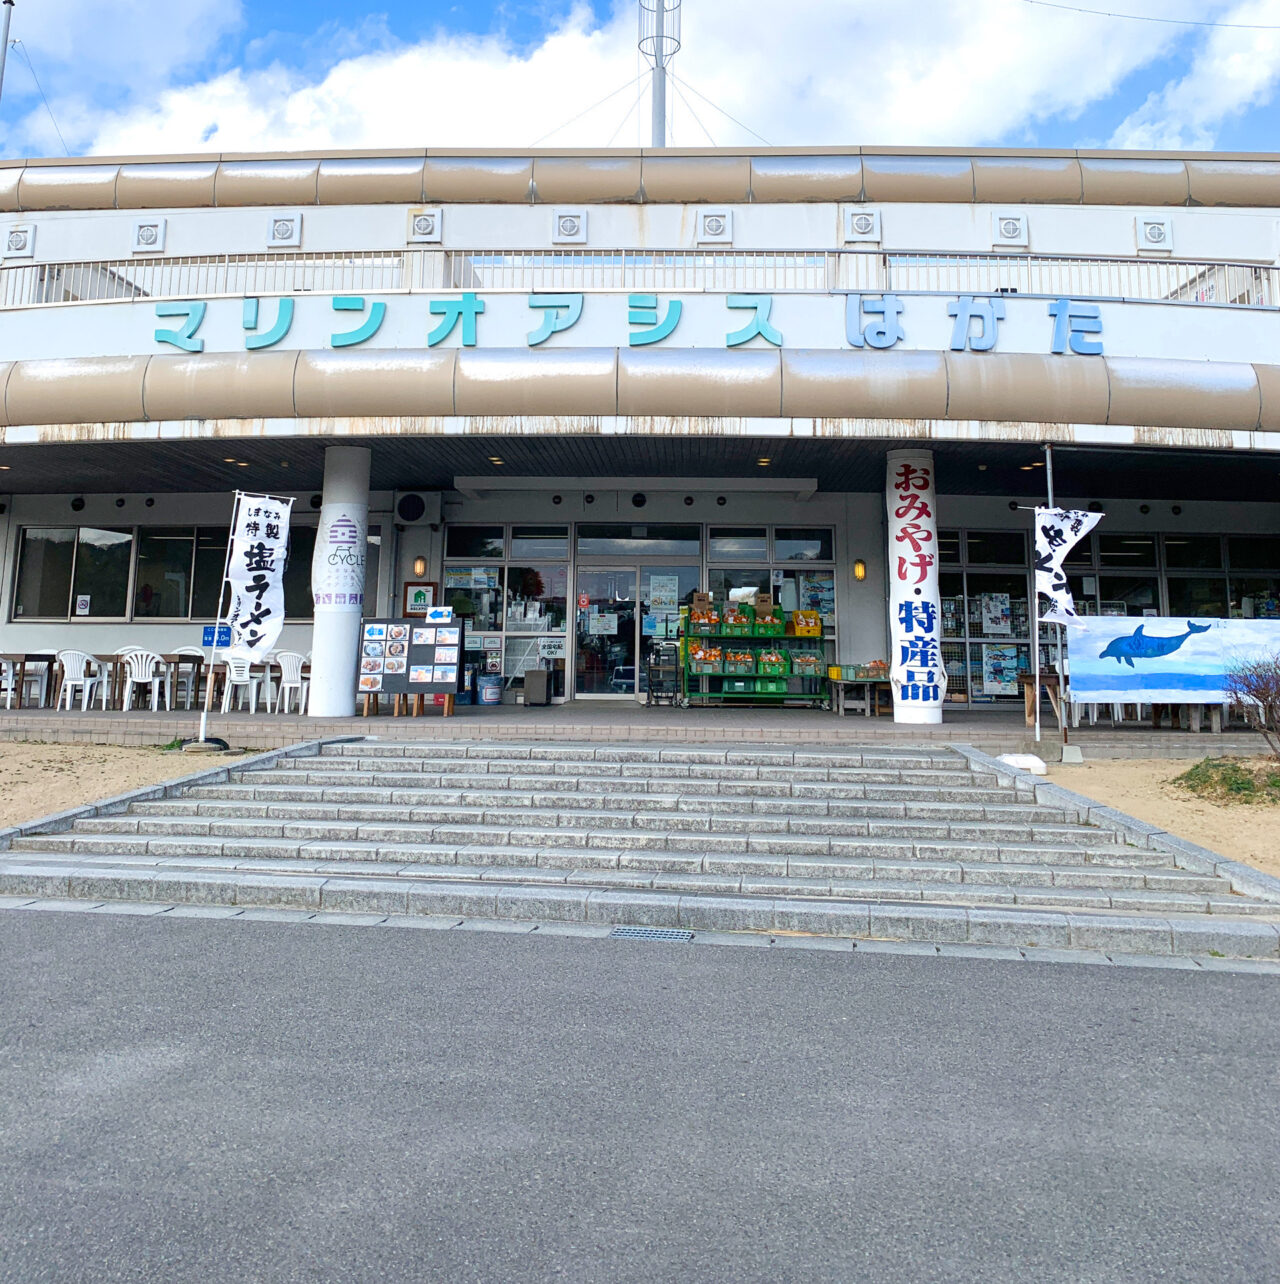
point(605, 650)
point(663, 591)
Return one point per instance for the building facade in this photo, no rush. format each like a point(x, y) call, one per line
point(588, 385)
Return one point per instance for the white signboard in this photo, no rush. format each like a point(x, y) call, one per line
point(551, 648)
point(604, 624)
point(915, 618)
point(255, 573)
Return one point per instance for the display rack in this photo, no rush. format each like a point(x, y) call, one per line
point(709, 688)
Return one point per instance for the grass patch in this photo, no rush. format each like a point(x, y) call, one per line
point(1232, 780)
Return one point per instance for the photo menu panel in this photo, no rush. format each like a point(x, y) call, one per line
point(419, 656)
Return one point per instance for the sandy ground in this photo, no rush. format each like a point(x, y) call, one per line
point(1241, 831)
point(41, 779)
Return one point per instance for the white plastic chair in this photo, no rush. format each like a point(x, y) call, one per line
point(8, 680)
point(188, 675)
point(240, 678)
point(142, 669)
point(291, 680)
point(75, 673)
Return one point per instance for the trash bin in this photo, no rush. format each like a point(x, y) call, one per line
point(489, 688)
point(537, 686)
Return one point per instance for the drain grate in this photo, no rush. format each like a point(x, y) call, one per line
point(650, 934)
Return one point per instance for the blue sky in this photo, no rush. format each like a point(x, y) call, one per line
point(145, 76)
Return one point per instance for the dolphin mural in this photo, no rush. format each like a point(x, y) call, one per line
point(1138, 646)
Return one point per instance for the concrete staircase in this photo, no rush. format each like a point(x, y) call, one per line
point(894, 843)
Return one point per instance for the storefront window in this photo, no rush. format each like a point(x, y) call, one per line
point(298, 603)
point(1198, 595)
point(1081, 555)
point(1254, 552)
point(537, 597)
point(476, 592)
point(1126, 552)
point(803, 544)
point(998, 548)
point(44, 573)
point(640, 540)
point(1255, 597)
point(162, 587)
point(1193, 552)
point(540, 542)
point(998, 606)
point(100, 588)
point(738, 544)
point(739, 584)
point(211, 557)
point(949, 548)
point(808, 591)
point(473, 541)
point(1128, 595)
point(951, 591)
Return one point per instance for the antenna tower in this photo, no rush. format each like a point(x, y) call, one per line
point(659, 41)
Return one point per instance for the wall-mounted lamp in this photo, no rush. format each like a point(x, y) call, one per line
point(419, 566)
point(859, 570)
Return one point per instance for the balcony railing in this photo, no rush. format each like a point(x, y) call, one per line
point(415, 270)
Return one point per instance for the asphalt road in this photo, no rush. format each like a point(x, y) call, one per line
point(208, 1101)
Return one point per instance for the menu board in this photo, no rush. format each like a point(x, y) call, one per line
point(418, 656)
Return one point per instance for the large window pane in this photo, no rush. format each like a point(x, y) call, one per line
point(803, 544)
point(372, 560)
point(536, 598)
point(1128, 595)
point(813, 590)
point(1193, 552)
point(298, 602)
point(44, 572)
point(619, 539)
point(476, 592)
point(1125, 552)
point(951, 592)
point(949, 548)
point(739, 584)
point(101, 586)
point(162, 587)
point(738, 544)
point(1255, 597)
point(211, 558)
point(998, 606)
point(998, 548)
point(1254, 552)
point(538, 542)
point(1199, 595)
point(473, 541)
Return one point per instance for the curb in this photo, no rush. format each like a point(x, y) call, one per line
point(1186, 855)
point(60, 821)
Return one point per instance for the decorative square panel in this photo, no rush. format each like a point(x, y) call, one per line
point(715, 227)
point(1155, 234)
point(284, 230)
point(149, 235)
point(426, 226)
point(569, 227)
point(862, 225)
point(19, 241)
point(1009, 227)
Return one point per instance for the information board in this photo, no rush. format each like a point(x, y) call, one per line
point(419, 656)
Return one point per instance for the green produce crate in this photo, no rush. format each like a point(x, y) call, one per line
point(772, 670)
point(738, 630)
point(771, 686)
point(704, 668)
point(740, 686)
point(807, 666)
point(763, 630)
point(747, 668)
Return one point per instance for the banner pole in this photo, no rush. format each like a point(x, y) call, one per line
point(1059, 630)
point(217, 622)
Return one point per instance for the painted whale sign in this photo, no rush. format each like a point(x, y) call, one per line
point(1162, 661)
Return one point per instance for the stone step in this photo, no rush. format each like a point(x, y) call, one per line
point(418, 797)
point(1145, 931)
point(588, 802)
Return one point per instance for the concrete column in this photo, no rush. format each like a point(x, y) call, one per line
point(337, 581)
point(915, 611)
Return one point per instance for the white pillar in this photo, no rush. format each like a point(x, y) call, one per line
point(915, 615)
point(337, 581)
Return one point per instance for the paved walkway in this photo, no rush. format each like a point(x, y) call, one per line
point(994, 730)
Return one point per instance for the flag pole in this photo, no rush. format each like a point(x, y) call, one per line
point(217, 623)
point(1058, 629)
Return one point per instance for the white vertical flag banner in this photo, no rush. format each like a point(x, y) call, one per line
point(255, 574)
point(915, 617)
point(1058, 531)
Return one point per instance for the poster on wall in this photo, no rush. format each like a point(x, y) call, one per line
point(664, 593)
point(1163, 660)
point(999, 669)
point(997, 615)
point(915, 626)
point(603, 623)
point(816, 591)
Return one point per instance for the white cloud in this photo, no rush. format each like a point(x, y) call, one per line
point(812, 72)
point(1233, 71)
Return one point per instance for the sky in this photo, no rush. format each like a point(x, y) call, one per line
point(177, 76)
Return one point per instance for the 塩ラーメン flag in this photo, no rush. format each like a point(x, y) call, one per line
point(255, 574)
point(1058, 531)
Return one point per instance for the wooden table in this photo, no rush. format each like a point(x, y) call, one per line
point(870, 702)
point(1049, 681)
point(20, 661)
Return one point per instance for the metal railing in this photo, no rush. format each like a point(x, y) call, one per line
point(657, 271)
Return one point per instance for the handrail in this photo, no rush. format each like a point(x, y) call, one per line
point(419, 270)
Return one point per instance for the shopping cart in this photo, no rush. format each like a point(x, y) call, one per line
point(662, 669)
